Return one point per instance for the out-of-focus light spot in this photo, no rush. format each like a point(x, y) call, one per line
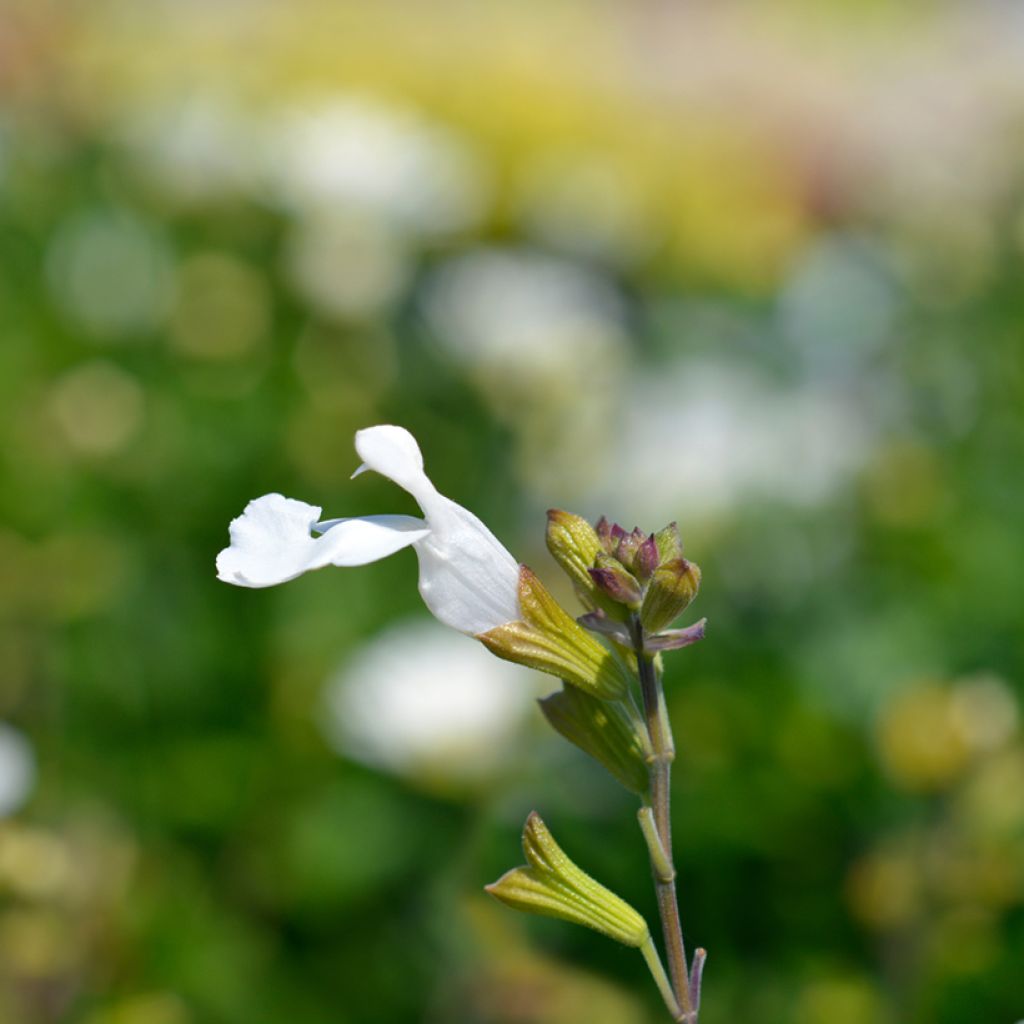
point(903, 485)
point(221, 308)
point(714, 434)
point(346, 266)
point(357, 154)
point(585, 205)
point(17, 770)
point(840, 1000)
point(883, 889)
point(920, 741)
point(36, 943)
point(985, 710)
point(98, 407)
point(199, 149)
point(429, 704)
point(838, 306)
point(149, 1008)
point(110, 273)
point(33, 863)
point(83, 572)
point(992, 801)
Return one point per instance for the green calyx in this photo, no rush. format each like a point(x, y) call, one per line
point(553, 886)
point(548, 639)
point(673, 586)
point(604, 730)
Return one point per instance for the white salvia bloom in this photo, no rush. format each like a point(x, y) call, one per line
point(467, 577)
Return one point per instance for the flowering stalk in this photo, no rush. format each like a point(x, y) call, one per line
point(659, 840)
point(633, 586)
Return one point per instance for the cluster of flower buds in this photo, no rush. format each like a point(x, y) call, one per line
point(633, 584)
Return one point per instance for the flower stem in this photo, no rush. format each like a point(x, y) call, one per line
point(660, 732)
point(650, 953)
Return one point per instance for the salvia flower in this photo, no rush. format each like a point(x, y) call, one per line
point(467, 578)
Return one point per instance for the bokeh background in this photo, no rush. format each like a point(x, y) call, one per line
point(756, 267)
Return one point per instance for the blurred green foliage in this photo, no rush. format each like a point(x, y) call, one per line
point(800, 338)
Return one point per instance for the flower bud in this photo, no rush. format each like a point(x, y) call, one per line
point(602, 729)
point(628, 545)
point(553, 886)
point(613, 580)
point(574, 544)
point(670, 544)
point(647, 559)
point(673, 586)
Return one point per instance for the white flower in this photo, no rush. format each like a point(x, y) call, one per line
point(419, 701)
point(467, 578)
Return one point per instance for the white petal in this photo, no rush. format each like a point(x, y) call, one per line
point(393, 452)
point(467, 577)
point(271, 542)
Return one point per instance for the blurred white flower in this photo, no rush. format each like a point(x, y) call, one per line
point(197, 148)
point(467, 578)
point(524, 313)
point(17, 769)
point(355, 153)
point(713, 434)
point(423, 702)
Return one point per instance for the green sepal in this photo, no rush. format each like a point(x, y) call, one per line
point(604, 730)
point(553, 886)
point(550, 640)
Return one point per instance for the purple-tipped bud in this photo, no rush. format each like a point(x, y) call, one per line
point(646, 559)
point(618, 584)
point(603, 529)
point(627, 547)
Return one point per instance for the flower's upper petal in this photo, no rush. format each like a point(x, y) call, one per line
point(393, 452)
point(271, 541)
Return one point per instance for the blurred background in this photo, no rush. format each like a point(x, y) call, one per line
point(755, 267)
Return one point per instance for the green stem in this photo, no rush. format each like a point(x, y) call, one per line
point(650, 953)
point(660, 733)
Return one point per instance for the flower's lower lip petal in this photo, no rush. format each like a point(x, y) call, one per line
point(271, 541)
point(367, 538)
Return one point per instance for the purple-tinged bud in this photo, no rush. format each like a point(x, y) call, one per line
point(670, 544)
point(603, 529)
point(646, 559)
point(620, 585)
point(673, 639)
point(618, 534)
point(627, 547)
point(673, 586)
